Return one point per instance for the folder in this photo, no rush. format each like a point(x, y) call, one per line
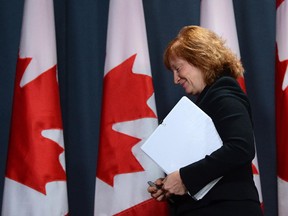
point(186, 135)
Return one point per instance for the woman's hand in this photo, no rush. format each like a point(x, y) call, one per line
point(156, 191)
point(168, 186)
point(173, 184)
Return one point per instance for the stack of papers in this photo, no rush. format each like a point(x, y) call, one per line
point(186, 135)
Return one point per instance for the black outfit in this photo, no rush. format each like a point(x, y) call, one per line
point(235, 194)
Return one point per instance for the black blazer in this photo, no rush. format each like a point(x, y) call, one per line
point(229, 108)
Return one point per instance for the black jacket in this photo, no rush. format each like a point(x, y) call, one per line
point(229, 108)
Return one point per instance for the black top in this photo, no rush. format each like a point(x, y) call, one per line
point(229, 108)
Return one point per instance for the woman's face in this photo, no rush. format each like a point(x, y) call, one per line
point(187, 75)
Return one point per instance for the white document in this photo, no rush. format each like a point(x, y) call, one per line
point(186, 135)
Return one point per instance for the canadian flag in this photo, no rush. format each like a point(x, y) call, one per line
point(281, 91)
point(128, 118)
point(35, 182)
point(218, 16)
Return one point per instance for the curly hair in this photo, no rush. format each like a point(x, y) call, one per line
point(206, 51)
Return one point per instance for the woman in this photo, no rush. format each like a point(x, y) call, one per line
point(205, 67)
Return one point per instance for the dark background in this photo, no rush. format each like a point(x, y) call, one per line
point(81, 28)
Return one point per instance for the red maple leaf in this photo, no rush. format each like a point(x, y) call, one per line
point(281, 118)
point(33, 160)
point(278, 3)
point(254, 170)
point(124, 99)
point(242, 84)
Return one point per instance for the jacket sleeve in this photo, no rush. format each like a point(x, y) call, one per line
point(232, 121)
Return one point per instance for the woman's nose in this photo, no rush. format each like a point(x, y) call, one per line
point(176, 78)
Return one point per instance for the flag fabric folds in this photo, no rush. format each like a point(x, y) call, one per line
point(128, 117)
point(281, 95)
point(218, 16)
point(35, 181)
